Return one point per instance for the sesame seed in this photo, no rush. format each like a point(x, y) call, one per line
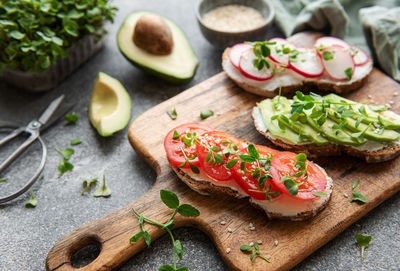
point(251, 244)
point(259, 242)
point(228, 250)
point(252, 228)
point(229, 230)
point(223, 222)
point(251, 225)
point(396, 93)
point(268, 257)
point(276, 242)
point(369, 96)
point(391, 102)
point(346, 195)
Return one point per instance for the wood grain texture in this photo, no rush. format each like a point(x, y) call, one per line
point(232, 108)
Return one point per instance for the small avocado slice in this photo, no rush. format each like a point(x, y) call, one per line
point(109, 106)
point(177, 67)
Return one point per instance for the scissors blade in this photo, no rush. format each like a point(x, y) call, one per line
point(46, 115)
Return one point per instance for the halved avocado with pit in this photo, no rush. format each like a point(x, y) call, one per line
point(178, 67)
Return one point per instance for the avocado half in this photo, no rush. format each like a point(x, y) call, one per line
point(109, 106)
point(177, 67)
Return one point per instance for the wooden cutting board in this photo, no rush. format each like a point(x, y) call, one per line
point(232, 107)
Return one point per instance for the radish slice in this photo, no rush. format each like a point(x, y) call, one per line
point(247, 68)
point(307, 62)
point(329, 41)
point(236, 51)
point(359, 55)
point(338, 67)
point(276, 51)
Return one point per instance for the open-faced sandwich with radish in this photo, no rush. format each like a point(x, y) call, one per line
point(283, 184)
point(329, 125)
point(299, 62)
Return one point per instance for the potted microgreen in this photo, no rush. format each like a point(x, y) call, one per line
point(43, 41)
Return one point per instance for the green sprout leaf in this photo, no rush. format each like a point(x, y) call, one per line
point(147, 238)
point(327, 55)
point(3, 179)
point(357, 196)
point(231, 163)
point(320, 194)
point(169, 198)
point(32, 202)
point(166, 267)
point(363, 242)
point(188, 210)
point(355, 183)
point(75, 141)
point(71, 118)
point(176, 135)
point(67, 153)
point(291, 186)
point(178, 248)
point(136, 237)
point(172, 114)
point(253, 151)
point(65, 166)
point(206, 114)
point(349, 73)
point(102, 191)
point(246, 248)
point(87, 184)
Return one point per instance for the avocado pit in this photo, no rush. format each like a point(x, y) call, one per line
point(153, 35)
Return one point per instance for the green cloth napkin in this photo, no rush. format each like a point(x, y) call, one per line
point(349, 19)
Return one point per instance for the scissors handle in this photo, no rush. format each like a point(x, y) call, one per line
point(13, 134)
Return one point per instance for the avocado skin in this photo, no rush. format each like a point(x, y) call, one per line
point(167, 77)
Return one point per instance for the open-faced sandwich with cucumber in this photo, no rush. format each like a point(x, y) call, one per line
point(299, 62)
point(283, 184)
point(329, 125)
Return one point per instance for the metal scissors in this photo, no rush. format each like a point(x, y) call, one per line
point(33, 128)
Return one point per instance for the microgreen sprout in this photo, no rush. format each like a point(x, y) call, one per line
point(172, 114)
point(32, 202)
point(363, 242)
point(290, 180)
point(64, 165)
point(75, 141)
point(349, 73)
point(71, 118)
point(253, 251)
point(102, 191)
point(3, 179)
point(206, 114)
point(357, 196)
point(87, 184)
point(170, 199)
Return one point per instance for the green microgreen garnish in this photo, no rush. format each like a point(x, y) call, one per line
point(262, 50)
point(357, 196)
point(349, 73)
point(32, 202)
point(67, 153)
point(102, 191)
point(289, 180)
point(37, 33)
point(193, 167)
point(3, 179)
point(320, 194)
point(75, 141)
point(363, 242)
point(327, 55)
point(176, 135)
point(206, 114)
point(87, 184)
point(71, 118)
point(170, 199)
point(172, 114)
point(255, 251)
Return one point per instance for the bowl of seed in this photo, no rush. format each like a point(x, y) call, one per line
point(227, 22)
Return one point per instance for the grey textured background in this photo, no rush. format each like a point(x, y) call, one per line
point(27, 235)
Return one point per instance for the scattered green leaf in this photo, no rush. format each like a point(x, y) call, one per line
point(169, 198)
point(71, 118)
point(188, 210)
point(355, 183)
point(172, 114)
point(255, 251)
point(87, 184)
point(320, 194)
point(357, 196)
point(363, 242)
point(65, 166)
point(349, 73)
point(205, 114)
point(67, 153)
point(3, 179)
point(176, 135)
point(102, 191)
point(75, 141)
point(32, 202)
point(327, 55)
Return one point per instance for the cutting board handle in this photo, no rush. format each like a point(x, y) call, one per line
point(111, 234)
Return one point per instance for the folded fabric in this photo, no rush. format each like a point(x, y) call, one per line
point(326, 16)
point(382, 31)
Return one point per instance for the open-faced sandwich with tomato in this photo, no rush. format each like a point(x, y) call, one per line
point(329, 125)
point(283, 184)
point(301, 61)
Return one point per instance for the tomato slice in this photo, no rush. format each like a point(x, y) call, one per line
point(245, 179)
point(283, 163)
point(173, 147)
point(220, 141)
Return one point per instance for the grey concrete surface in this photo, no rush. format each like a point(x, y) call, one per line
point(27, 235)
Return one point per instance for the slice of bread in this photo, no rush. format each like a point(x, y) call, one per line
point(295, 210)
point(289, 81)
point(372, 152)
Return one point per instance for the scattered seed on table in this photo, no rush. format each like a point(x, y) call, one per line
point(259, 242)
point(229, 230)
point(223, 222)
point(228, 250)
point(251, 244)
point(346, 195)
point(276, 242)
